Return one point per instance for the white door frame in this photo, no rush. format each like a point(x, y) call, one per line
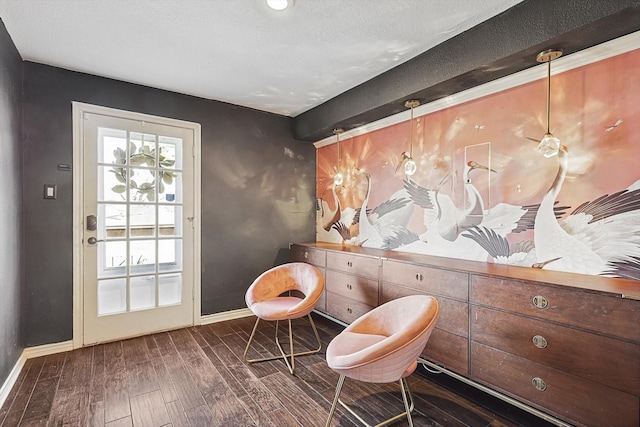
point(78, 110)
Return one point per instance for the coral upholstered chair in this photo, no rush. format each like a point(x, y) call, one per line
point(270, 298)
point(383, 346)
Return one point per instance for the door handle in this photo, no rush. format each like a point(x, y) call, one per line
point(93, 240)
point(92, 223)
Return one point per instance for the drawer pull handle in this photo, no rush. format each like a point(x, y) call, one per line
point(349, 310)
point(349, 286)
point(349, 264)
point(306, 254)
point(540, 341)
point(419, 277)
point(539, 384)
point(540, 301)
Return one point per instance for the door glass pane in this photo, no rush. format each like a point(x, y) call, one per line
point(142, 220)
point(169, 289)
point(169, 255)
point(170, 156)
point(112, 146)
point(112, 184)
point(142, 292)
point(142, 150)
point(112, 296)
point(112, 258)
point(112, 221)
point(170, 220)
point(142, 185)
point(142, 256)
point(169, 187)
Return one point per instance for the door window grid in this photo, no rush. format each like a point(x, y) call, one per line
point(143, 282)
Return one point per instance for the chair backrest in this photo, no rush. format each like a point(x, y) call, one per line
point(295, 276)
point(395, 334)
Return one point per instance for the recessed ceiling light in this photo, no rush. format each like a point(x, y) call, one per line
point(279, 4)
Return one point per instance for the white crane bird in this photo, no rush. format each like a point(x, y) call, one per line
point(595, 236)
point(384, 220)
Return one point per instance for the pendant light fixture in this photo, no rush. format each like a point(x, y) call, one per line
point(338, 178)
point(410, 164)
point(549, 145)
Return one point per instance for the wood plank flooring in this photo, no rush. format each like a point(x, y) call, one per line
point(196, 377)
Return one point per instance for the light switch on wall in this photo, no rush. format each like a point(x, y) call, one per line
point(50, 191)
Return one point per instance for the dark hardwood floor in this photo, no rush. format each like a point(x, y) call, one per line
point(196, 377)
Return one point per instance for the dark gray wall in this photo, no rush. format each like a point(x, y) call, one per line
point(11, 344)
point(258, 190)
point(500, 46)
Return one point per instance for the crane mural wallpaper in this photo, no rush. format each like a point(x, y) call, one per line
point(483, 191)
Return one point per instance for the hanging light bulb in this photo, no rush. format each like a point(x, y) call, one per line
point(410, 166)
point(549, 145)
point(338, 178)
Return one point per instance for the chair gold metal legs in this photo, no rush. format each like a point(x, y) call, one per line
point(291, 365)
point(408, 405)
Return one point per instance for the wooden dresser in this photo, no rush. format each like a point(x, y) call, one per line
point(565, 344)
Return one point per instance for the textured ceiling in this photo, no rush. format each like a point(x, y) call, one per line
point(239, 51)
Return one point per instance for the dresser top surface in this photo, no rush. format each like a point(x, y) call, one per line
point(621, 287)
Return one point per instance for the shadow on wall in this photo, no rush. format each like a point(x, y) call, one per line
point(282, 257)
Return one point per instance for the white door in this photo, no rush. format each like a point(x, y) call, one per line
point(138, 188)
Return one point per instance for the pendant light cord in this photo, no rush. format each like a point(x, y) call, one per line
point(548, 56)
point(338, 143)
point(548, 94)
point(337, 132)
point(411, 104)
point(411, 136)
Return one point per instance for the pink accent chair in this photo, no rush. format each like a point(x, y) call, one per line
point(270, 298)
point(383, 346)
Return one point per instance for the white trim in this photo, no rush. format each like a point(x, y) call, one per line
point(588, 56)
point(30, 353)
point(78, 110)
point(47, 349)
point(225, 315)
point(197, 239)
point(78, 224)
point(11, 379)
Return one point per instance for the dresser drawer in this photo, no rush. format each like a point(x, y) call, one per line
point(454, 314)
point(605, 360)
point(354, 287)
point(605, 314)
point(353, 264)
point(345, 309)
point(436, 281)
point(568, 397)
point(448, 350)
point(317, 257)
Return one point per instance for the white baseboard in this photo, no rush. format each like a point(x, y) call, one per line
point(11, 379)
point(29, 353)
point(225, 315)
point(47, 349)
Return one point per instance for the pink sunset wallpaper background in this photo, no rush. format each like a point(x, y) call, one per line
point(595, 112)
